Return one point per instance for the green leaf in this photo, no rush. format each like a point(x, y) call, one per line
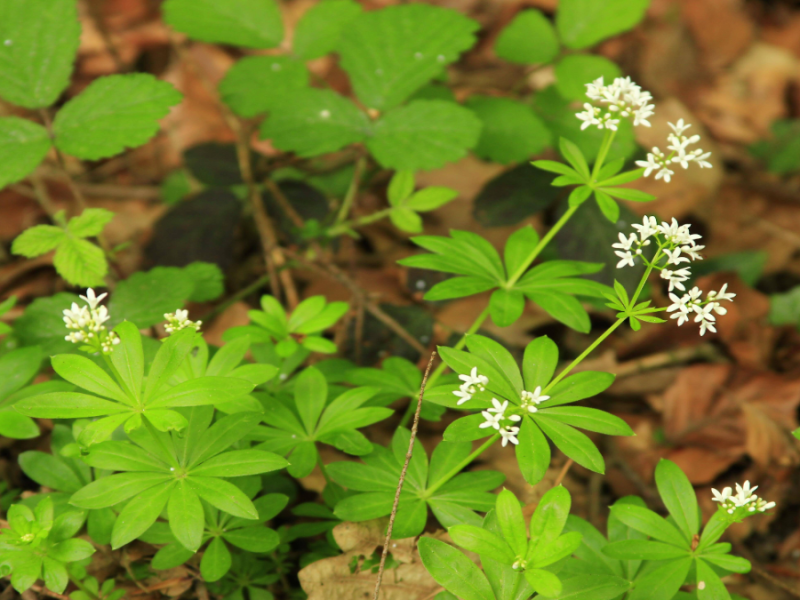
point(216, 560)
point(574, 157)
point(662, 583)
point(253, 539)
point(186, 519)
point(563, 308)
point(579, 195)
point(114, 489)
point(400, 188)
point(549, 518)
point(392, 52)
point(458, 287)
point(123, 456)
point(128, 358)
point(54, 574)
point(643, 549)
point(498, 357)
point(311, 122)
point(593, 587)
point(37, 240)
point(406, 219)
point(424, 134)
point(40, 41)
point(256, 84)
point(87, 375)
point(454, 571)
point(23, 145)
point(734, 564)
point(321, 27)
point(238, 463)
point(678, 495)
point(139, 514)
point(781, 151)
point(67, 405)
point(146, 296)
point(590, 419)
point(223, 495)
point(709, 585)
point(248, 23)
point(573, 443)
point(509, 517)
point(484, 542)
point(90, 222)
point(71, 550)
point(539, 362)
point(221, 435)
point(506, 306)
point(529, 39)
point(80, 262)
point(583, 23)
point(532, 452)
point(520, 246)
point(46, 469)
point(544, 582)
point(511, 131)
point(364, 507)
point(648, 522)
point(208, 280)
point(113, 113)
point(431, 198)
point(627, 194)
point(573, 72)
point(42, 324)
point(311, 394)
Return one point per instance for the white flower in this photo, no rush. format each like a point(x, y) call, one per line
point(87, 323)
point(721, 294)
point(462, 395)
point(674, 256)
point(626, 259)
point(531, 399)
point(474, 380)
point(509, 434)
point(679, 154)
point(679, 127)
point(651, 164)
point(625, 243)
point(675, 278)
point(621, 99)
point(91, 299)
point(648, 227)
point(693, 252)
point(724, 496)
point(491, 420)
point(180, 320)
point(763, 506)
point(744, 493)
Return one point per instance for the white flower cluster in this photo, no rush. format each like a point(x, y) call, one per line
point(621, 99)
point(530, 400)
point(87, 324)
point(472, 383)
point(494, 416)
point(676, 245)
point(744, 498)
point(180, 320)
point(660, 162)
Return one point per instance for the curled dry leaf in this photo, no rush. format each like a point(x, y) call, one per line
point(331, 578)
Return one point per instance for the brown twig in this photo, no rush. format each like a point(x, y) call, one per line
point(402, 478)
point(273, 254)
point(284, 203)
point(40, 589)
point(563, 473)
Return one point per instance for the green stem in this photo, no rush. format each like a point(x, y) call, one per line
point(649, 270)
point(583, 355)
point(541, 246)
point(442, 366)
point(322, 468)
point(352, 191)
point(460, 466)
point(341, 228)
point(608, 138)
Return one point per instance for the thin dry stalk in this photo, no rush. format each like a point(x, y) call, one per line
point(402, 478)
